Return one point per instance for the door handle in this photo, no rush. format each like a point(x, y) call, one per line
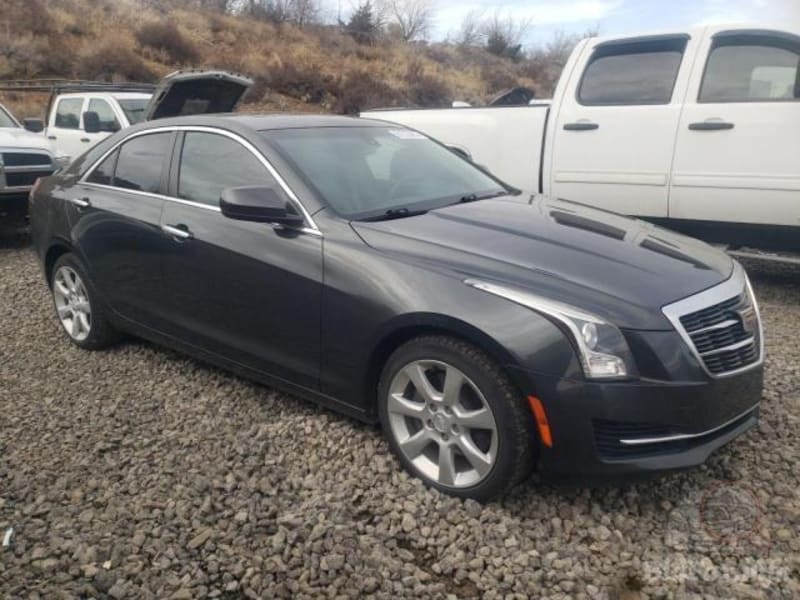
point(51, 137)
point(711, 125)
point(80, 202)
point(581, 126)
point(85, 140)
point(179, 232)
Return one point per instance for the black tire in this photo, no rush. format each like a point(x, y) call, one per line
point(516, 438)
point(101, 332)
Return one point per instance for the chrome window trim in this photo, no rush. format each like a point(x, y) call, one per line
point(686, 436)
point(737, 284)
point(312, 226)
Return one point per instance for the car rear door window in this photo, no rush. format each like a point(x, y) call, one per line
point(141, 161)
point(632, 73)
point(108, 120)
point(68, 113)
point(211, 162)
point(752, 70)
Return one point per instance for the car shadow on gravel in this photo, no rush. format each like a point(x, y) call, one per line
point(14, 240)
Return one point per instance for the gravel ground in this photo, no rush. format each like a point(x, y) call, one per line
point(137, 473)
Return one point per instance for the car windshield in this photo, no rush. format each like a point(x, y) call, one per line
point(134, 108)
point(375, 172)
point(6, 120)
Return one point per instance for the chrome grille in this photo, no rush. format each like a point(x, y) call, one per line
point(19, 170)
point(721, 325)
point(720, 336)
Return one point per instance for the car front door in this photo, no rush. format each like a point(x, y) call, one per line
point(65, 128)
point(249, 292)
point(115, 214)
point(737, 159)
point(615, 133)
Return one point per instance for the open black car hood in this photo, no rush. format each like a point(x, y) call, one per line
point(620, 268)
point(197, 92)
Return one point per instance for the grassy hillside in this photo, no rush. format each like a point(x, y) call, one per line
point(316, 68)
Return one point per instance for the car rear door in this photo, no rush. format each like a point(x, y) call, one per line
point(616, 122)
point(114, 215)
point(109, 122)
point(737, 160)
point(249, 292)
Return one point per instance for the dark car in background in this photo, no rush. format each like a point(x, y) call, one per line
point(368, 268)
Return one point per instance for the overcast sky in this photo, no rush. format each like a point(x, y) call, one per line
point(609, 16)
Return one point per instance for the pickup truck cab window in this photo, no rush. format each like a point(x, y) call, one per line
point(141, 161)
point(108, 120)
point(751, 69)
point(68, 113)
point(632, 73)
point(6, 120)
point(211, 162)
point(134, 108)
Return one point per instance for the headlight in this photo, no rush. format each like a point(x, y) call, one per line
point(601, 346)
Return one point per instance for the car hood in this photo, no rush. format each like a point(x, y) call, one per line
point(197, 92)
point(20, 139)
point(619, 268)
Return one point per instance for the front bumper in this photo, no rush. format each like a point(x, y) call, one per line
point(607, 431)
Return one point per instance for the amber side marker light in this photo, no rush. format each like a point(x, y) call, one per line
point(541, 421)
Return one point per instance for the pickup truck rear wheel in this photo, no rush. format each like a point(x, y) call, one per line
point(77, 306)
point(454, 419)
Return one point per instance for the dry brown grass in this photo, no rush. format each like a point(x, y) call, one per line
point(317, 68)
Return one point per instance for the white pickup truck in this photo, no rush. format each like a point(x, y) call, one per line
point(698, 130)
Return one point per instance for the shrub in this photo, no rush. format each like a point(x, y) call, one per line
point(110, 61)
point(167, 38)
point(424, 89)
point(306, 83)
point(31, 56)
point(498, 80)
point(359, 90)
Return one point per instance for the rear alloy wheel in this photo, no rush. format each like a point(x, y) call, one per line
point(72, 303)
point(80, 312)
point(454, 419)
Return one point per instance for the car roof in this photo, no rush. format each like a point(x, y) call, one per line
point(266, 122)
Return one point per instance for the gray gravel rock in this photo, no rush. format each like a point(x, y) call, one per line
point(138, 473)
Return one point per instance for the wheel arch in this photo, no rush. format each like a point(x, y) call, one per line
point(56, 250)
point(408, 327)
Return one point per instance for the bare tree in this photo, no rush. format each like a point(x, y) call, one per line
point(504, 35)
point(411, 18)
point(469, 33)
point(299, 12)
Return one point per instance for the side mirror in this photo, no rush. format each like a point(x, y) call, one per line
point(91, 122)
point(259, 204)
point(33, 125)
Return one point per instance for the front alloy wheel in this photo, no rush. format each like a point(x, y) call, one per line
point(454, 419)
point(442, 423)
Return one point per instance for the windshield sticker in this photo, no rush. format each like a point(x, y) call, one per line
point(407, 134)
